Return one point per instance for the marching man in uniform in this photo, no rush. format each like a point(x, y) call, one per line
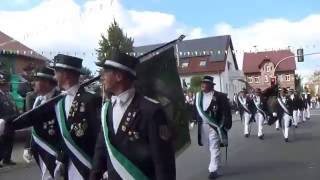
point(307, 100)
point(135, 141)
point(246, 108)
point(214, 120)
point(45, 132)
point(284, 112)
point(259, 111)
point(78, 118)
point(295, 107)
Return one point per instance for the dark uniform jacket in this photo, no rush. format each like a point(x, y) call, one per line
point(289, 106)
point(143, 137)
point(250, 107)
point(220, 108)
point(301, 103)
point(260, 107)
point(82, 124)
point(8, 110)
point(45, 127)
point(295, 102)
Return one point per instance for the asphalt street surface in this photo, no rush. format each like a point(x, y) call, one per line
point(248, 158)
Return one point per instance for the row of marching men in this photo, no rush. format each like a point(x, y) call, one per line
point(287, 109)
point(78, 138)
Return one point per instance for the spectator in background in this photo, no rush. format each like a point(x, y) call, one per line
point(8, 111)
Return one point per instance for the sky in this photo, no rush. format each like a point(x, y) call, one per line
point(75, 26)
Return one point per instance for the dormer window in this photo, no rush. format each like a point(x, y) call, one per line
point(203, 63)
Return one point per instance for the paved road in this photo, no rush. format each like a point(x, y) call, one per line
point(248, 159)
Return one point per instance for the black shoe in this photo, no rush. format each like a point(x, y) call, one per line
point(277, 129)
point(1, 166)
point(246, 135)
point(286, 140)
point(9, 163)
point(261, 137)
point(296, 126)
point(213, 175)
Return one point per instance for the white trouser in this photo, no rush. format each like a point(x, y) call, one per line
point(304, 112)
point(318, 105)
point(73, 173)
point(285, 125)
point(307, 111)
point(210, 140)
point(214, 146)
point(45, 174)
point(299, 116)
point(295, 117)
point(246, 120)
point(277, 124)
point(259, 120)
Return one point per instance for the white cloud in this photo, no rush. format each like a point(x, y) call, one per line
point(277, 34)
point(64, 26)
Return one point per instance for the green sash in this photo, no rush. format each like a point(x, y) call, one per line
point(73, 147)
point(43, 144)
point(124, 167)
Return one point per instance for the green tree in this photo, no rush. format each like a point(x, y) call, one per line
point(86, 72)
point(195, 83)
point(115, 39)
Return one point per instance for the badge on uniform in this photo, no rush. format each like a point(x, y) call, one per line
point(82, 107)
point(51, 132)
point(164, 132)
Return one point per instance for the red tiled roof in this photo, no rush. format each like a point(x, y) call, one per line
point(252, 61)
point(194, 66)
point(9, 44)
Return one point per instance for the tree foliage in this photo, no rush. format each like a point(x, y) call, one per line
point(195, 83)
point(115, 39)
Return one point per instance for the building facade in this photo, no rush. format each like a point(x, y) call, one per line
point(212, 56)
point(259, 68)
point(17, 57)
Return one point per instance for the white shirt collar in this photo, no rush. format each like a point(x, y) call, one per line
point(208, 93)
point(72, 91)
point(124, 97)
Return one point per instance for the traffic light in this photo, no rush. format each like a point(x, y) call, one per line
point(300, 55)
point(273, 81)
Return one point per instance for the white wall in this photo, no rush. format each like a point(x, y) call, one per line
point(231, 85)
point(223, 82)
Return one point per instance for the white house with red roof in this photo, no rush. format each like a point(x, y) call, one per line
point(212, 56)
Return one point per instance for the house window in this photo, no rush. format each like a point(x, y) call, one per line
point(287, 77)
point(268, 68)
point(266, 78)
point(203, 63)
point(256, 79)
point(250, 80)
point(184, 65)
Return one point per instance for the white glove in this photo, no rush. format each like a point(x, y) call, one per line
point(2, 126)
point(59, 170)
point(105, 175)
point(237, 112)
point(27, 156)
point(274, 114)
